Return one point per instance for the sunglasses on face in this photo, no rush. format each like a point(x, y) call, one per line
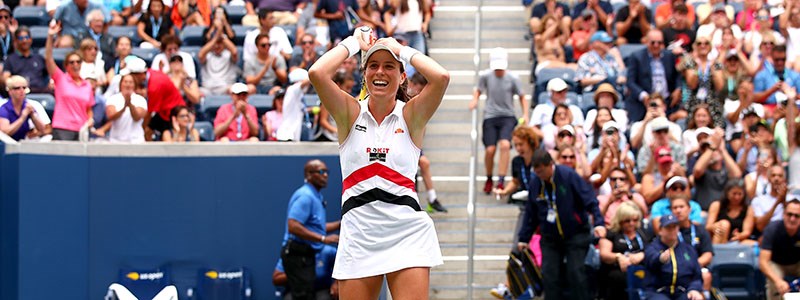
point(264, 45)
point(661, 131)
point(5, 17)
point(183, 116)
point(703, 43)
point(610, 132)
point(307, 42)
point(768, 43)
point(792, 215)
point(614, 179)
point(779, 59)
point(568, 157)
point(564, 134)
point(655, 43)
point(24, 37)
point(322, 172)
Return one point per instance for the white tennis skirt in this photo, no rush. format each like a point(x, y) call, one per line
point(379, 238)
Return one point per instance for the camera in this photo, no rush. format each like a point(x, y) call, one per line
point(653, 104)
point(704, 146)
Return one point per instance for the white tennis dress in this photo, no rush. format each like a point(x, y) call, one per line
point(383, 228)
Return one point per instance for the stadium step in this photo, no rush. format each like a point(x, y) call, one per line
point(448, 143)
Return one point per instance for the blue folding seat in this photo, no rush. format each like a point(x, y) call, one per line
point(235, 13)
point(262, 102)
point(213, 284)
point(192, 35)
point(206, 130)
point(734, 272)
point(47, 101)
point(31, 15)
point(212, 103)
point(38, 36)
point(129, 31)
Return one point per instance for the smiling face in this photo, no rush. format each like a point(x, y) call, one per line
point(73, 65)
point(127, 85)
point(702, 118)
point(123, 47)
point(383, 74)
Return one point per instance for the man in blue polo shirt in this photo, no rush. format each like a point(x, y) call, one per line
point(769, 83)
point(27, 63)
point(306, 230)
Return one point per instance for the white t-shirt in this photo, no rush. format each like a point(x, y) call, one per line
point(793, 44)
point(279, 43)
point(731, 106)
point(674, 131)
point(188, 63)
point(125, 129)
point(763, 203)
point(620, 116)
point(543, 114)
point(293, 113)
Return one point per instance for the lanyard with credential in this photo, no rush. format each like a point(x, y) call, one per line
point(156, 26)
point(551, 199)
point(638, 240)
point(693, 236)
point(6, 43)
point(674, 270)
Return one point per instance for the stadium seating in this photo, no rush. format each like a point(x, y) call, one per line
point(129, 31)
point(546, 74)
point(212, 103)
point(38, 36)
point(222, 285)
point(235, 13)
point(31, 15)
point(627, 50)
point(637, 280)
point(586, 102)
point(262, 102)
point(47, 101)
point(734, 271)
point(59, 54)
point(572, 98)
point(206, 130)
point(239, 33)
point(192, 36)
point(146, 54)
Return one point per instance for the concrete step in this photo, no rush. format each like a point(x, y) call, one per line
point(482, 249)
point(481, 224)
point(480, 292)
point(481, 236)
point(450, 277)
point(482, 210)
point(484, 265)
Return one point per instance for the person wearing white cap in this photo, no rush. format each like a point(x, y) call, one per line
point(611, 138)
point(74, 96)
point(701, 118)
point(499, 118)
point(713, 168)
point(161, 94)
point(599, 65)
point(641, 131)
point(675, 186)
point(237, 121)
point(294, 109)
point(542, 114)
point(383, 229)
point(125, 112)
point(660, 130)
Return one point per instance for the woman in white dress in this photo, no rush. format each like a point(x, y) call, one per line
point(384, 231)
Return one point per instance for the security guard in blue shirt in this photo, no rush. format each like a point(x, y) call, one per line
point(672, 265)
point(306, 229)
point(559, 204)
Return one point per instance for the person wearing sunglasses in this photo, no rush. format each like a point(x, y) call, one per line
point(779, 256)
point(622, 247)
point(20, 117)
point(307, 57)
point(74, 96)
point(28, 64)
point(753, 35)
point(307, 231)
point(621, 181)
point(265, 71)
point(7, 27)
point(650, 71)
point(773, 82)
point(676, 186)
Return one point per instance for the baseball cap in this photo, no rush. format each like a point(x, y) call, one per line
point(659, 123)
point(731, 53)
point(567, 128)
point(663, 155)
point(677, 180)
point(135, 64)
point(751, 111)
point(379, 47)
point(238, 88)
point(587, 12)
point(611, 125)
point(6, 8)
point(498, 59)
point(703, 130)
point(667, 220)
point(601, 36)
point(606, 88)
point(556, 85)
point(719, 7)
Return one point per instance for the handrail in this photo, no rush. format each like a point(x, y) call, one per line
point(473, 163)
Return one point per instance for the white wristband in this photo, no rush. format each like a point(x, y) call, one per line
point(406, 54)
point(322, 239)
point(351, 44)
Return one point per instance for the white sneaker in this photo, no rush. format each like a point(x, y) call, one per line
point(500, 291)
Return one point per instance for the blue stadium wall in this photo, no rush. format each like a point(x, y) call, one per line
point(70, 222)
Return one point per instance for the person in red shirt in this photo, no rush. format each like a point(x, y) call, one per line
point(238, 120)
point(161, 96)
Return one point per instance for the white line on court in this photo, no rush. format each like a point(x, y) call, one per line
point(476, 257)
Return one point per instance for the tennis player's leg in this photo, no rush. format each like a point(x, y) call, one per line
point(361, 288)
point(410, 284)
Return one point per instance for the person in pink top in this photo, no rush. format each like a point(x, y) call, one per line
point(273, 119)
point(238, 120)
point(74, 96)
point(621, 182)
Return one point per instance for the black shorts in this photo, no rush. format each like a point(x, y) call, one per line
point(159, 124)
point(496, 129)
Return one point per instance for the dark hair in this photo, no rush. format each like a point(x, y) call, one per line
point(679, 197)
point(779, 48)
point(597, 130)
point(262, 13)
point(169, 39)
point(541, 158)
point(793, 201)
point(680, 8)
point(22, 29)
point(691, 124)
point(404, 7)
point(562, 105)
point(341, 77)
point(177, 110)
point(402, 90)
point(724, 202)
point(261, 36)
point(176, 57)
point(417, 78)
point(124, 37)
